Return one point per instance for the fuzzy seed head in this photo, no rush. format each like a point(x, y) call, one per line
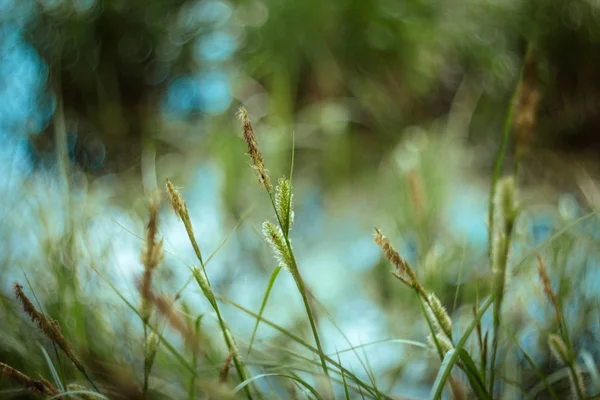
point(253, 151)
point(403, 270)
point(47, 325)
point(203, 282)
point(505, 203)
point(558, 348)
point(283, 203)
point(176, 200)
point(445, 344)
point(151, 346)
point(226, 366)
point(439, 316)
point(576, 383)
point(275, 238)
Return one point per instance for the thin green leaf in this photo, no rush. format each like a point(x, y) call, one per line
point(300, 341)
point(534, 366)
point(588, 360)
point(272, 279)
point(57, 380)
point(262, 376)
point(460, 270)
point(449, 361)
point(346, 392)
point(442, 376)
point(551, 239)
point(473, 375)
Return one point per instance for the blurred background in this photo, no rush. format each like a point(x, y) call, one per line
point(395, 110)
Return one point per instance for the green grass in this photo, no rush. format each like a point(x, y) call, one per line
point(192, 355)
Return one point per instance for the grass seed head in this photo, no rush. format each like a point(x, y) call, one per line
point(403, 270)
point(283, 203)
point(176, 200)
point(9, 373)
point(47, 325)
point(547, 286)
point(559, 350)
point(253, 151)
point(445, 344)
point(439, 315)
point(275, 238)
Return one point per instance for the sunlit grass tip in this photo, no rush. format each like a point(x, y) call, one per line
point(253, 150)
point(283, 203)
point(175, 199)
point(276, 240)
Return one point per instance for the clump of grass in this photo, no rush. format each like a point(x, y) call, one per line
point(278, 235)
point(561, 346)
point(203, 281)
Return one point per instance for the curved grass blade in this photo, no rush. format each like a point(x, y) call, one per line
point(451, 357)
point(262, 306)
point(352, 347)
point(55, 376)
point(534, 366)
point(442, 376)
point(552, 238)
point(303, 343)
point(588, 360)
point(473, 375)
point(292, 377)
point(346, 393)
point(552, 378)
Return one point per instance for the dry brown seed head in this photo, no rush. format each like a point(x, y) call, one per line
point(176, 200)
point(547, 287)
point(253, 150)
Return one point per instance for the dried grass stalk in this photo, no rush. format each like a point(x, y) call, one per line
point(253, 151)
point(47, 325)
point(11, 374)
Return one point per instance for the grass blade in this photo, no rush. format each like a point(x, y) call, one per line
point(262, 306)
point(451, 357)
point(473, 375)
point(534, 366)
point(588, 360)
point(303, 343)
point(442, 376)
point(55, 376)
point(346, 393)
point(292, 377)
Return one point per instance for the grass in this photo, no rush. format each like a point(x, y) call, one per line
point(171, 349)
